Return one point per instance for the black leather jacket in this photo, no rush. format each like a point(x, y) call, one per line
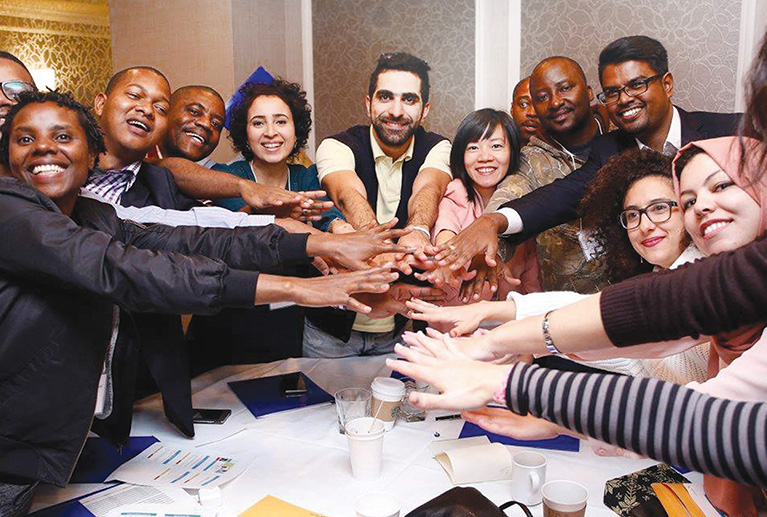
point(58, 280)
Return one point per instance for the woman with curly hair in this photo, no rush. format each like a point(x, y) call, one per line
point(627, 243)
point(636, 227)
point(269, 128)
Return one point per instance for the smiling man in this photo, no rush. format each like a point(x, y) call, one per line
point(561, 99)
point(195, 120)
point(636, 89)
point(390, 168)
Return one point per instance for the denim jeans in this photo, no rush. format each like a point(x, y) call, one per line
point(318, 343)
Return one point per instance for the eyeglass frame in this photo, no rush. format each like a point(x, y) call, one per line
point(645, 211)
point(2, 87)
point(601, 96)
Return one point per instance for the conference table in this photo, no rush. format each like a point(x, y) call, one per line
point(300, 456)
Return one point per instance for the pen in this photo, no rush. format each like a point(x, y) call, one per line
point(448, 417)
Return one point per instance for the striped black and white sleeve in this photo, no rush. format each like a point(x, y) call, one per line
point(658, 419)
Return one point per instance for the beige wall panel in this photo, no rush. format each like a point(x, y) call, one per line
point(701, 39)
point(349, 35)
point(190, 41)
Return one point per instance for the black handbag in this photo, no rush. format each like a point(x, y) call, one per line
point(464, 502)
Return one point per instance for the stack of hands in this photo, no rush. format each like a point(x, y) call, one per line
point(424, 270)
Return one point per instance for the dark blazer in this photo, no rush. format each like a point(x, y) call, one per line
point(558, 202)
point(157, 338)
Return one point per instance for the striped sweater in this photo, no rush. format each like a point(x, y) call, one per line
point(661, 420)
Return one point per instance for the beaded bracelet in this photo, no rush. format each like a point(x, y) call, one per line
point(547, 335)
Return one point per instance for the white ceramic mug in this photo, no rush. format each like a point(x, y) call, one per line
point(528, 474)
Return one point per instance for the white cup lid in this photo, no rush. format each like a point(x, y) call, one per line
point(388, 386)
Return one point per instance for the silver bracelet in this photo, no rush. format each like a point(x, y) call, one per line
point(423, 229)
point(547, 335)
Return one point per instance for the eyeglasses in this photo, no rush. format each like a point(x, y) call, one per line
point(658, 212)
point(638, 87)
point(12, 89)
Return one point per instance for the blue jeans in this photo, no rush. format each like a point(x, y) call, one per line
point(318, 343)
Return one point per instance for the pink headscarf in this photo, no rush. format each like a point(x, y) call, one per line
point(729, 496)
point(726, 152)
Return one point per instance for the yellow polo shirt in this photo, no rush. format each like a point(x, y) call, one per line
point(334, 156)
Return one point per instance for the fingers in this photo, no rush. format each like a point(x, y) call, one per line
point(409, 369)
point(491, 252)
point(357, 306)
point(321, 266)
point(314, 194)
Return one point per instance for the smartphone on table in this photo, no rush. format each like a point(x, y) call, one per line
point(210, 416)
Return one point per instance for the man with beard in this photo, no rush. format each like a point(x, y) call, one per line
point(562, 99)
point(391, 168)
point(636, 89)
point(196, 117)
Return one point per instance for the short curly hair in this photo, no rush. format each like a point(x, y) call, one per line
point(602, 205)
point(291, 94)
point(93, 135)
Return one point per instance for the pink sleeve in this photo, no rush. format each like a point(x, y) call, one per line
point(448, 217)
point(743, 379)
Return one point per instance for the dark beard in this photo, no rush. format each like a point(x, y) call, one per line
point(393, 138)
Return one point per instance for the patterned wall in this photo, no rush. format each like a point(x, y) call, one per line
point(349, 35)
point(701, 39)
point(80, 53)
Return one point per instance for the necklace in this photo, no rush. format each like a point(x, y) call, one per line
point(255, 178)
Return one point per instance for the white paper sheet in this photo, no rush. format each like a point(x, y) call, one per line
point(156, 510)
point(164, 465)
point(473, 460)
point(103, 503)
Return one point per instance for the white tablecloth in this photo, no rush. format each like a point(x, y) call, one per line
point(302, 458)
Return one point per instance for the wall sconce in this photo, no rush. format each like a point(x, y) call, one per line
point(45, 78)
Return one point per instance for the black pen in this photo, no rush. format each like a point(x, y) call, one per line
point(448, 417)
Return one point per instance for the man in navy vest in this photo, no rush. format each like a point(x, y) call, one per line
point(390, 168)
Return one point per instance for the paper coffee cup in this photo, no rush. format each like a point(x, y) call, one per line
point(365, 437)
point(377, 504)
point(387, 397)
point(563, 498)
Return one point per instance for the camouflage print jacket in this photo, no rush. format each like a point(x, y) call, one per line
point(563, 266)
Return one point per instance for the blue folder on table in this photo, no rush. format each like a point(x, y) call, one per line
point(560, 443)
point(99, 459)
point(262, 396)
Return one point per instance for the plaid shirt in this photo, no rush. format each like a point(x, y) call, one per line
point(112, 184)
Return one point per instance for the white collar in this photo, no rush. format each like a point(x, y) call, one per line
point(690, 254)
point(674, 136)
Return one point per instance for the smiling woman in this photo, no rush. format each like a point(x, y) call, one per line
point(269, 128)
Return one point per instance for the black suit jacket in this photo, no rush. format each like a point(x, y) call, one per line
point(558, 202)
point(158, 338)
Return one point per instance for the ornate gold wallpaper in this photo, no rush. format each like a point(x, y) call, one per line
point(69, 36)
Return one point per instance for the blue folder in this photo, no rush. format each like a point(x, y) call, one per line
point(262, 396)
point(99, 459)
point(560, 443)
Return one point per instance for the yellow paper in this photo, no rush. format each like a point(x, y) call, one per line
point(676, 500)
point(271, 506)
